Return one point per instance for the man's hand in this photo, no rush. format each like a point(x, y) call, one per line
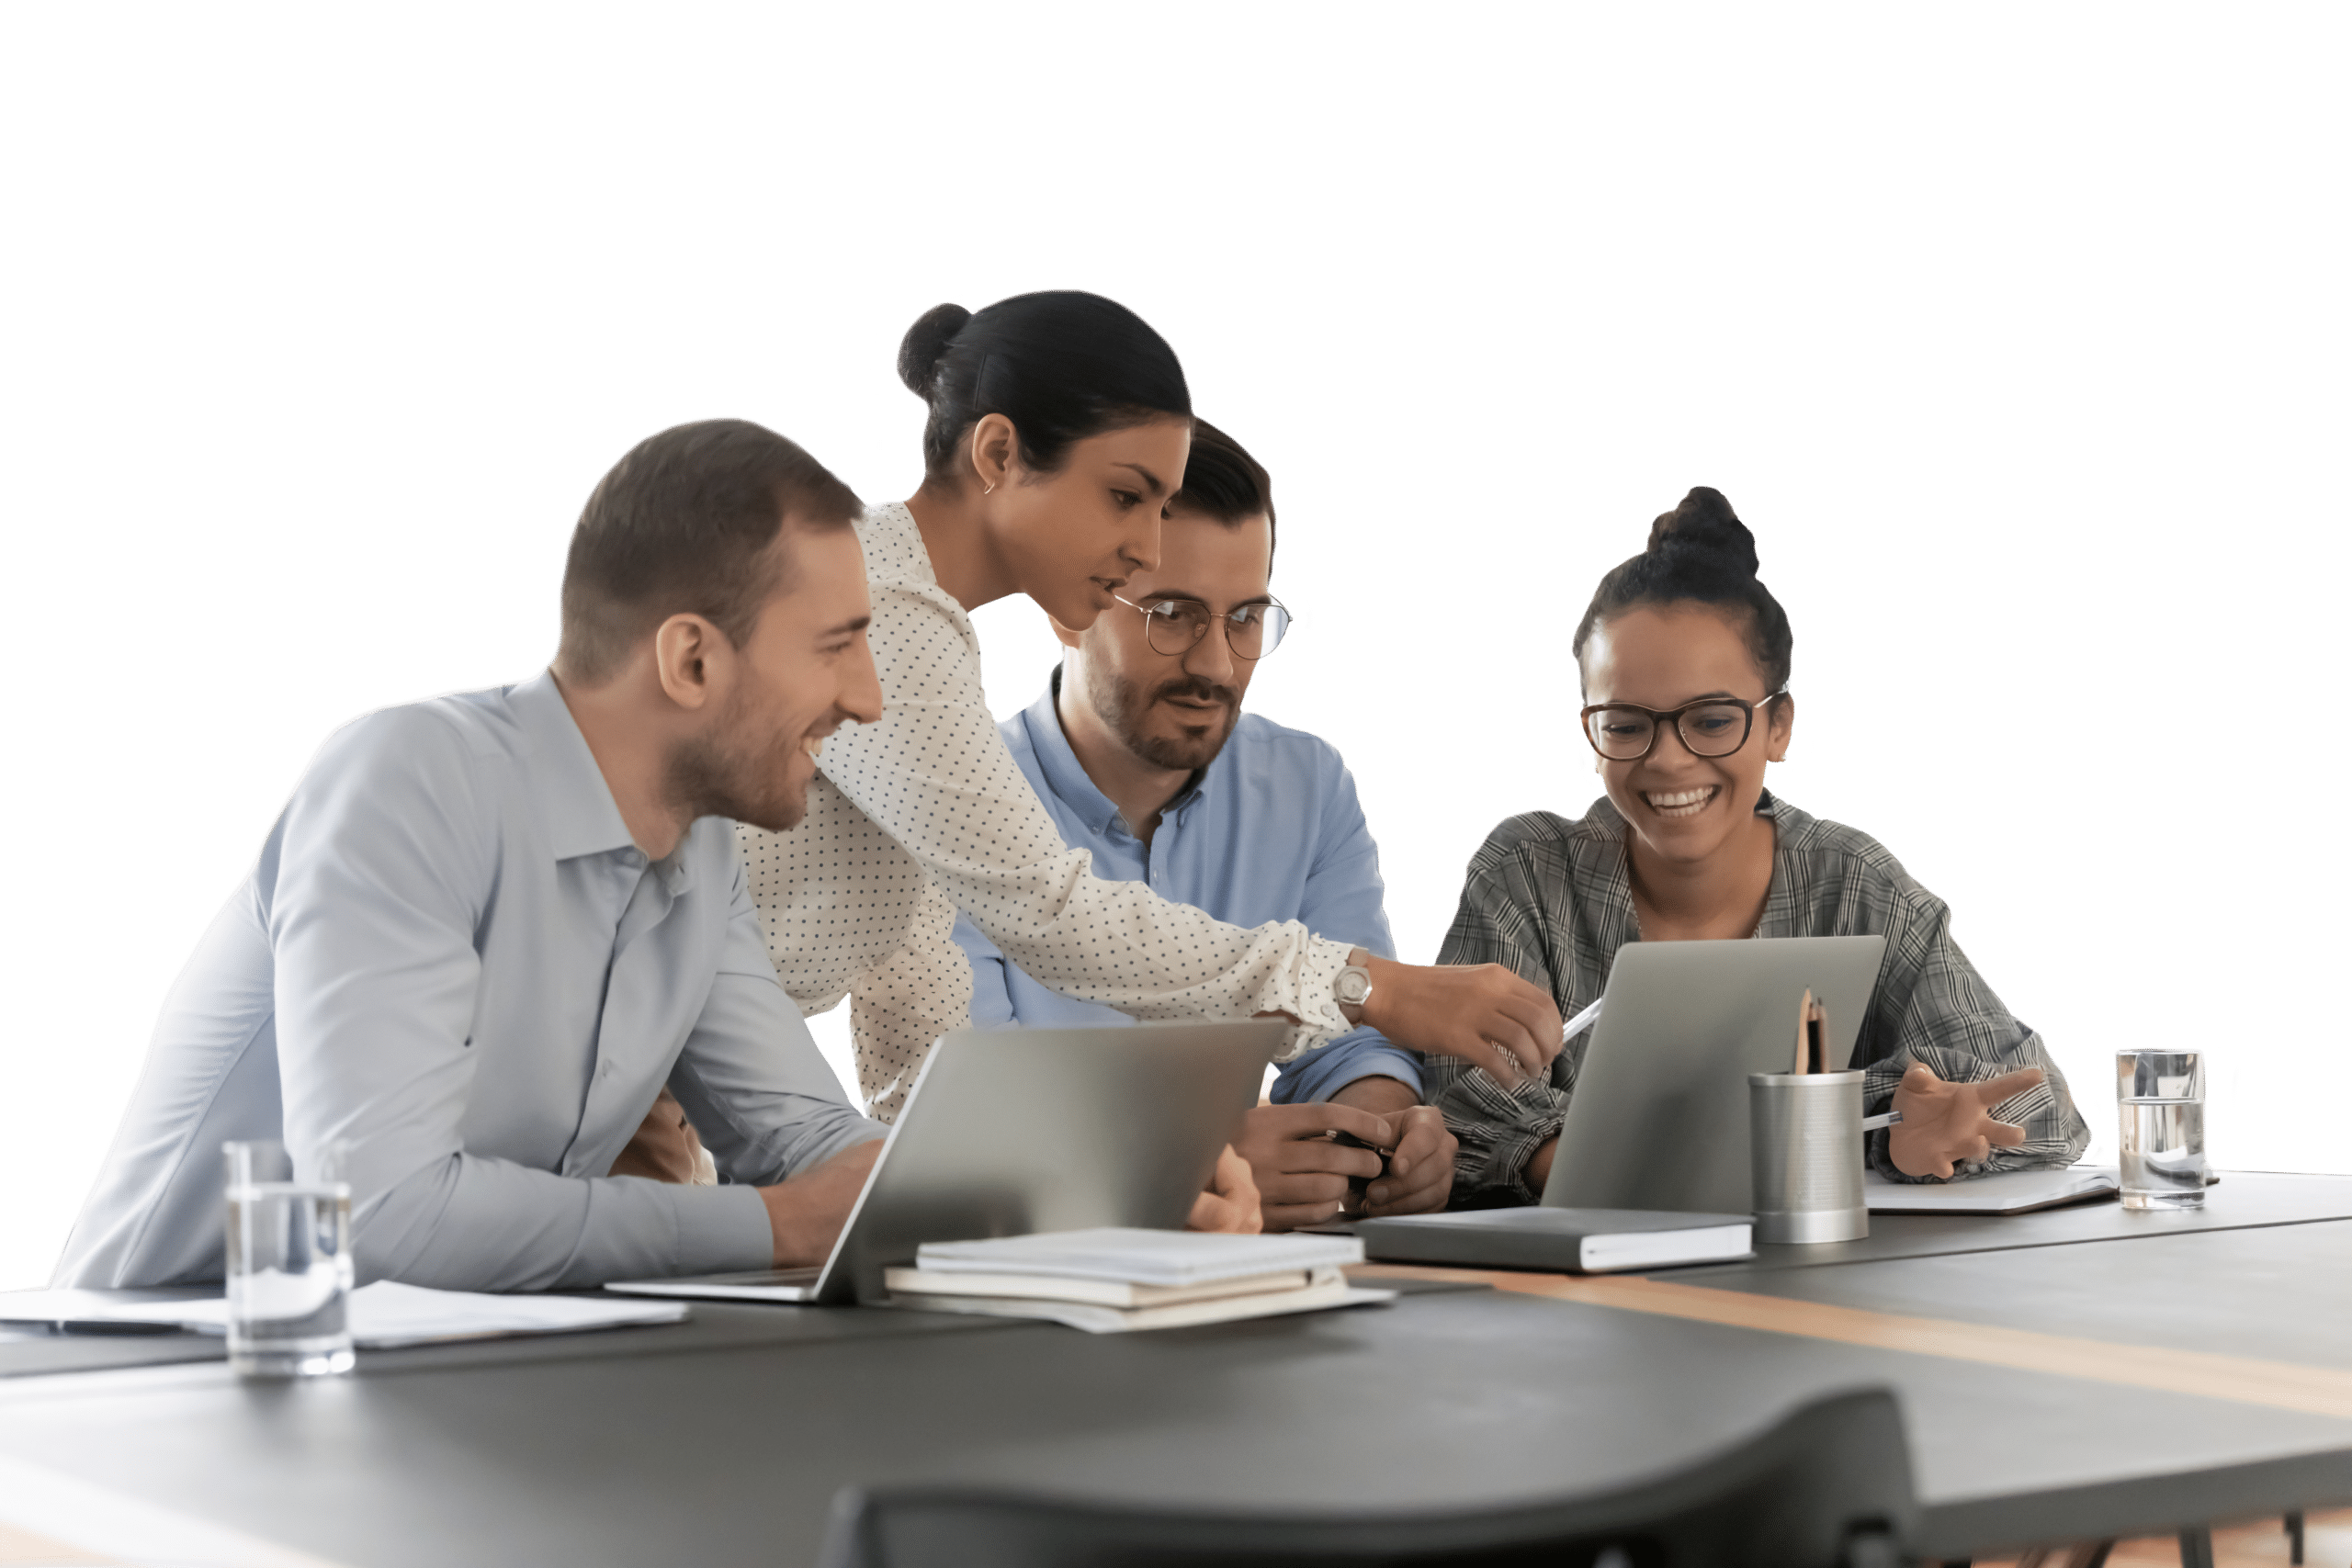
point(1301, 1175)
point(1944, 1123)
point(1231, 1204)
point(1482, 1014)
point(807, 1212)
point(1421, 1173)
point(666, 1146)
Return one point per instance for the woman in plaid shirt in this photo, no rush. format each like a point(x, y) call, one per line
point(1684, 658)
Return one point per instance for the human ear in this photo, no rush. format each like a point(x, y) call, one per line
point(685, 650)
point(994, 448)
point(1782, 725)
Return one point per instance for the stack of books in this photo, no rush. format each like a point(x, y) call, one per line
point(1113, 1279)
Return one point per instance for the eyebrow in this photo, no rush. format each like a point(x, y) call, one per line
point(1200, 599)
point(1151, 480)
point(847, 628)
point(1701, 697)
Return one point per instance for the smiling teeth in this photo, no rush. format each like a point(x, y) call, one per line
point(1681, 802)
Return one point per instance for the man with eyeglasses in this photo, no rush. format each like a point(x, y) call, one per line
point(1140, 750)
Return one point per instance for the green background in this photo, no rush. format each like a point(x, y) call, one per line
point(2019, 334)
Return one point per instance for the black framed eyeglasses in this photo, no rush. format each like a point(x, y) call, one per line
point(1177, 625)
point(1711, 727)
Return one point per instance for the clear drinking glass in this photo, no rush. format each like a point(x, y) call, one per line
point(290, 1263)
point(2161, 1098)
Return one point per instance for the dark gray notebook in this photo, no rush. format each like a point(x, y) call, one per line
point(1573, 1241)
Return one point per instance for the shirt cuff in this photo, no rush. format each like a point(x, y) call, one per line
point(1320, 1075)
point(1320, 1019)
point(719, 1230)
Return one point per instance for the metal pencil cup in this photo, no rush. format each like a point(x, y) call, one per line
point(1805, 1135)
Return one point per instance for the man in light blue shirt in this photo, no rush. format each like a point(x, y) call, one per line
point(488, 929)
point(1141, 753)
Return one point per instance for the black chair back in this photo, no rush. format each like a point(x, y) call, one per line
point(1828, 1487)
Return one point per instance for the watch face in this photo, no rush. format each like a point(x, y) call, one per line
point(1354, 985)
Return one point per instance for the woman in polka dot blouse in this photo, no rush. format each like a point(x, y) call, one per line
point(1058, 429)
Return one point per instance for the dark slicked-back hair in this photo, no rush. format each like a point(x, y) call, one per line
point(1062, 365)
point(681, 526)
point(1700, 553)
point(1223, 481)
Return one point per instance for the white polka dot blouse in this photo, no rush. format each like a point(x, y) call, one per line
point(926, 811)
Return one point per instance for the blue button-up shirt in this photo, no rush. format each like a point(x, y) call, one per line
point(1271, 830)
point(452, 958)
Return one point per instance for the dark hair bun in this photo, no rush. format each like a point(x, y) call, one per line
point(1703, 524)
point(919, 351)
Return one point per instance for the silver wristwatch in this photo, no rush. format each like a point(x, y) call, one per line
point(1352, 987)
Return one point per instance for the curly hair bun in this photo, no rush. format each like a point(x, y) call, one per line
point(1705, 525)
point(919, 351)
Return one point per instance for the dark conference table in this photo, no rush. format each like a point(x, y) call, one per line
point(2076, 1373)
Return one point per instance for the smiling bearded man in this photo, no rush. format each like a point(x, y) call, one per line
point(488, 927)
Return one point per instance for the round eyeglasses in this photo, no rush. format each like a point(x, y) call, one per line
point(1711, 727)
point(1177, 625)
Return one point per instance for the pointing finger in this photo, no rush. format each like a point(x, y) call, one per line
point(1992, 1091)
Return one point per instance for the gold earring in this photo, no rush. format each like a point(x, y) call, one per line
point(990, 489)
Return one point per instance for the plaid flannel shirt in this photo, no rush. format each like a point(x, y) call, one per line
point(1551, 900)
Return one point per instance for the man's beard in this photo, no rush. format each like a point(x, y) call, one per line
point(730, 774)
point(1124, 705)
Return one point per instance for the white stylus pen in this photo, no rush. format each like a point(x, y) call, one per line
point(1582, 1021)
point(1873, 1124)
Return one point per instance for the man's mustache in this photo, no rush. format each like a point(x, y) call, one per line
point(1199, 691)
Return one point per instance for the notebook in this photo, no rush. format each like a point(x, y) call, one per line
point(1115, 1279)
point(1100, 1293)
point(1096, 1319)
point(1136, 1257)
point(1575, 1241)
point(2005, 1192)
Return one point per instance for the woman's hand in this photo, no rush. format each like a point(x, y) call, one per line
point(1231, 1203)
point(1944, 1123)
point(1482, 1014)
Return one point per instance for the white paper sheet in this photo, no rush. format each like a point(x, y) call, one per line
point(387, 1315)
point(2008, 1193)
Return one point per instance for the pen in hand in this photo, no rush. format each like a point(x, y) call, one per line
point(1582, 1021)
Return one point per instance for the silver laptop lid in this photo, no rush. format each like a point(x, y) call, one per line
point(1009, 1131)
point(1659, 1116)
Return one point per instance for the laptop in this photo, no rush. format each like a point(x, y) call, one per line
point(1652, 1164)
point(1659, 1116)
point(1010, 1132)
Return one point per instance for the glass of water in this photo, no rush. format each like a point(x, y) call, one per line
point(2161, 1097)
point(289, 1262)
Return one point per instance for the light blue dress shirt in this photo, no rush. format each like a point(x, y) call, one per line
point(1270, 831)
point(452, 957)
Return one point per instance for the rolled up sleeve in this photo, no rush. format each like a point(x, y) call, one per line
point(1498, 1129)
point(1936, 1010)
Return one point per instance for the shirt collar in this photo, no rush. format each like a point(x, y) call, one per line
point(572, 797)
point(1065, 775)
